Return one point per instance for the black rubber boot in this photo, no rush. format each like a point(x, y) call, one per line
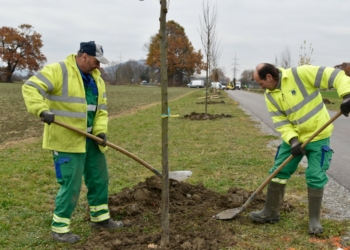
point(107, 224)
point(66, 237)
point(274, 199)
point(315, 202)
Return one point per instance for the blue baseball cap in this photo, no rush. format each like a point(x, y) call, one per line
point(93, 49)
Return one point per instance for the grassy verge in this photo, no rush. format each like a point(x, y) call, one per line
point(217, 152)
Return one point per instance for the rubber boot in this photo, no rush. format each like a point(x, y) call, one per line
point(315, 203)
point(274, 198)
point(66, 237)
point(107, 224)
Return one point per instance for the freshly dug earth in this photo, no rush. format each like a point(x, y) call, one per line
point(212, 102)
point(203, 116)
point(191, 209)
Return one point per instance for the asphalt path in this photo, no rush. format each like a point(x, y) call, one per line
point(340, 139)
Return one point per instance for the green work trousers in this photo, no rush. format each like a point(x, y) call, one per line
point(319, 156)
point(70, 168)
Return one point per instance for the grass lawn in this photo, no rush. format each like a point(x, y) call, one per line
point(217, 152)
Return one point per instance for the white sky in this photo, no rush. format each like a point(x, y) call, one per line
point(253, 31)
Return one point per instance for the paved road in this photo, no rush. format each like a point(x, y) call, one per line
point(340, 139)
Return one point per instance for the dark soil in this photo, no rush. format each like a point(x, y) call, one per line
point(326, 101)
point(203, 116)
point(212, 102)
point(191, 211)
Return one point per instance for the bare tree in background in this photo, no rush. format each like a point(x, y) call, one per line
point(129, 72)
point(210, 44)
point(285, 60)
point(305, 56)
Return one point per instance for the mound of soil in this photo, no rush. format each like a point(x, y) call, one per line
point(327, 101)
point(212, 102)
point(191, 211)
point(202, 116)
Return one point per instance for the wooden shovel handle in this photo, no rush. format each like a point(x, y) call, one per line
point(155, 171)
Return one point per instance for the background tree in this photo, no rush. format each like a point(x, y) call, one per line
point(182, 60)
point(347, 70)
point(209, 41)
point(305, 55)
point(130, 72)
point(20, 49)
point(218, 75)
point(284, 60)
point(247, 78)
point(344, 66)
point(216, 54)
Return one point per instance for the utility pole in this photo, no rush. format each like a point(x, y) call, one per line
point(235, 67)
point(120, 58)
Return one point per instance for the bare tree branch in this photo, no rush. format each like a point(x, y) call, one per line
point(210, 44)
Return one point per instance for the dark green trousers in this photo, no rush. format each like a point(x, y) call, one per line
point(70, 168)
point(319, 156)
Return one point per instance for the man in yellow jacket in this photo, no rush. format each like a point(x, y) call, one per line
point(73, 92)
point(296, 107)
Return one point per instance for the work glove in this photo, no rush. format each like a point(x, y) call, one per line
point(345, 106)
point(47, 116)
point(295, 147)
point(104, 138)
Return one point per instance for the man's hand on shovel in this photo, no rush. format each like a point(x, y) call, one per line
point(104, 138)
point(345, 106)
point(47, 116)
point(295, 147)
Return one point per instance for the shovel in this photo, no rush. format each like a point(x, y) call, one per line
point(176, 175)
point(231, 213)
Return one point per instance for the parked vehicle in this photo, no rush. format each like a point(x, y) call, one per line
point(196, 84)
point(216, 85)
point(229, 86)
point(238, 85)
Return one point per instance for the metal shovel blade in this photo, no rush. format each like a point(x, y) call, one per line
point(227, 214)
point(179, 175)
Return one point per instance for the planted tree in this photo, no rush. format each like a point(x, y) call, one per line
point(20, 49)
point(209, 41)
point(182, 59)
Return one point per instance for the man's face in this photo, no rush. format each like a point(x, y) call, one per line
point(269, 83)
point(90, 63)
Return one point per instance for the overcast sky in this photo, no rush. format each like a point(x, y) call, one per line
point(252, 31)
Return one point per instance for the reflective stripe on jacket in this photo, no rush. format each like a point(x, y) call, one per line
point(59, 87)
point(297, 107)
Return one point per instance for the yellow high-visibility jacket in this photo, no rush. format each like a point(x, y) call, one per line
point(296, 105)
point(59, 87)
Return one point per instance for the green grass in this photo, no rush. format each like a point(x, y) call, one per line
point(333, 97)
point(217, 152)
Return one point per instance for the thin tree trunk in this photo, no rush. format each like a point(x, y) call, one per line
point(165, 168)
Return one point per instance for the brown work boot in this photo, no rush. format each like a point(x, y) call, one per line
point(107, 224)
point(66, 237)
